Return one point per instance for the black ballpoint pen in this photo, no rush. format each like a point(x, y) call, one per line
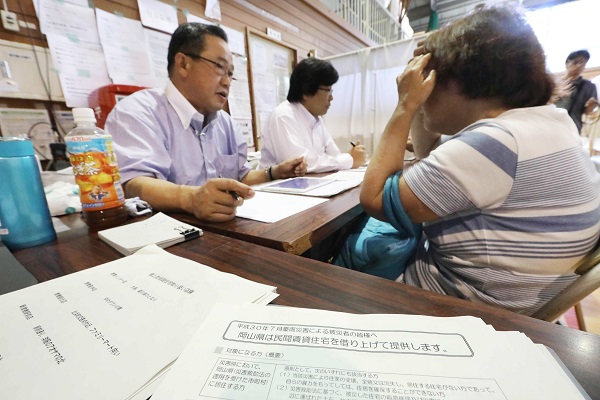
point(234, 195)
point(353, 144)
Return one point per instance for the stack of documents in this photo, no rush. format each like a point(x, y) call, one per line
point(160, 229)
point(111, 331)
point(263, 353)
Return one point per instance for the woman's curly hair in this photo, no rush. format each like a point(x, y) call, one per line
point(493, 53)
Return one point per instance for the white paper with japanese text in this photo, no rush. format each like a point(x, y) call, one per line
point(286, 353)
point(104, 332)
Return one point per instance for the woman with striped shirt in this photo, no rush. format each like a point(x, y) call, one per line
point(509, 201)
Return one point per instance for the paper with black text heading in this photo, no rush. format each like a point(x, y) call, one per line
point(106, 332)
point(281, 352)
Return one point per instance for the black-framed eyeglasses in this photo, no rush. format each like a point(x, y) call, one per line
point(329, 90)
point(222, 70)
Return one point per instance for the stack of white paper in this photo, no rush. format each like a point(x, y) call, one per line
point(160, 229)
point(290, 353)
point(109, 332)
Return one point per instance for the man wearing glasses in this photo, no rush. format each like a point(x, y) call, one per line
point(295, 128)
point(176, 148)
point(582, 98)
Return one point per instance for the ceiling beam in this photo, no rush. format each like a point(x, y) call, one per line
point(423, 11)
point(535, 4)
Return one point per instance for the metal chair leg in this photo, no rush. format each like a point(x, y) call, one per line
point(580, 319)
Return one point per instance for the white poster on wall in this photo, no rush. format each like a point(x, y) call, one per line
point(82, 3)
point(236, 41)
point(81, 68)
point(239, 92)
point(158, 47)
point(158, 15)
point(125, 50)
point(244, 127)
point(213, 9)
point(75, 22)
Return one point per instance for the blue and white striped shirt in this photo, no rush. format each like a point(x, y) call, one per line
point(519, 201)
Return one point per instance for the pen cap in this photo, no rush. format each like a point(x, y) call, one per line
point(24, 216)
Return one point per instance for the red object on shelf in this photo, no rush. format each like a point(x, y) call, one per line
point(103, 99)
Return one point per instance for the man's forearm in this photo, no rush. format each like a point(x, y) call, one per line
point(254, 177)
point(160, 194)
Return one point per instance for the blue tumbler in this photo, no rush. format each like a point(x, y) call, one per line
point(24, 216)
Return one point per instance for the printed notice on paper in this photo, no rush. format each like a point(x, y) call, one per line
point(279, 353)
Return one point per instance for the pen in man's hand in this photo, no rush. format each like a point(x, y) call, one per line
point(233, 194)
point(353, 144)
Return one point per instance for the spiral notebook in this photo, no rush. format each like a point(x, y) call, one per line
point(160, 229)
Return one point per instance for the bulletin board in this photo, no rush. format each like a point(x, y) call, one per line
point(270, 63)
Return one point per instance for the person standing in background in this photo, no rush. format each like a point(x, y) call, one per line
point(296, 128)
point(583, 95)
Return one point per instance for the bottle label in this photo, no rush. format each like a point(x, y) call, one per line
point(96, 172)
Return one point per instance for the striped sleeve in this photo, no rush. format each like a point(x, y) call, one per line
point(473, 170)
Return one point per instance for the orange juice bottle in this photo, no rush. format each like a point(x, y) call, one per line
point(96, 172)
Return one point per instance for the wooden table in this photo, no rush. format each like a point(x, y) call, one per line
point(302, 282)
point(312, 232)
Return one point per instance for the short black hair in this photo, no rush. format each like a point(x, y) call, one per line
point(308, 75)
point(578, 54)
point(189, 37)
